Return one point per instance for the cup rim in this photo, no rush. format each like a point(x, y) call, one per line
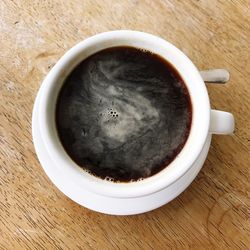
point(200, 114)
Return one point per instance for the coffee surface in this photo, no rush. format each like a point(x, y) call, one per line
point(123, 114)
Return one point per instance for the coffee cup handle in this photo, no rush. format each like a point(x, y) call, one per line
point(221, 122)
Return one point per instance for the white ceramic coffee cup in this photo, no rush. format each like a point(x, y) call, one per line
point(204, 120)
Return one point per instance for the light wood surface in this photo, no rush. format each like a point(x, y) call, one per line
point(213, 213)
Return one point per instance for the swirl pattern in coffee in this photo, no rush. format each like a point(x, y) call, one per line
point(123, 114)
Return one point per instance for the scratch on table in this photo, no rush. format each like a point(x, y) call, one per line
point(10, 86)
point(21, 231)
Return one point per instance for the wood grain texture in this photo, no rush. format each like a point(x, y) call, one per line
point(213, 213)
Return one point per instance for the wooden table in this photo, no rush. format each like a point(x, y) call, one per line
point(212, 213)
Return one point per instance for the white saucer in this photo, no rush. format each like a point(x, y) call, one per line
point(110, 205)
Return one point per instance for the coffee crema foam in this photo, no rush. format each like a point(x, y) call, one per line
point(123, 114)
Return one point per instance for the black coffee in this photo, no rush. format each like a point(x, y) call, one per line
point(123, 114)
